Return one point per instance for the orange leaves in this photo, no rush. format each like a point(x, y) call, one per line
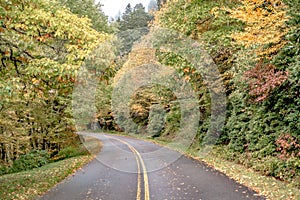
point(23, 59)
point(7, 53)
point(187, 78)
point(43, 38)
point(186, 70)
point(66, 79)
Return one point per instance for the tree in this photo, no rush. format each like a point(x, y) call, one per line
point(135, 18)
point(128, 11)
point(265, 25)
point(133, 25)
point(140, 18)
point(90, 9)
point(42, 47)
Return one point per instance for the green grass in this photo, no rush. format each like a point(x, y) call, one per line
point(30, 184)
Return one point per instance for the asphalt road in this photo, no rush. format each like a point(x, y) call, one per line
point(132, 169)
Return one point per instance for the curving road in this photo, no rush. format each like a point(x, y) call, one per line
point(132, 169)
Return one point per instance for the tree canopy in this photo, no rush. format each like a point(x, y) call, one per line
point(132, 26)
point(42, 47)
point(91, 10)
point(253, 43)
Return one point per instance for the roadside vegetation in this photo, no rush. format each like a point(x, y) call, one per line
point(267, 186)
point(254, 43)
point(28, 180)
point(43, 44)
point(32, 183)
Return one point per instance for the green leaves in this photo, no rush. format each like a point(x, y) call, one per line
point(88, 8)
point(42, 47)
point(263, 96)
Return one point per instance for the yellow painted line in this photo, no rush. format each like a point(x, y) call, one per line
point(146, 181)
point(138, 194)
point(139, 160)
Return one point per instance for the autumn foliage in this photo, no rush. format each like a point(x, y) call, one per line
point(263, 79)
point(42, 46)
point(265, 25)
point(255, 44)
point(288, 146)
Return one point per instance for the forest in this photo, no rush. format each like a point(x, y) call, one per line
point(254, 45)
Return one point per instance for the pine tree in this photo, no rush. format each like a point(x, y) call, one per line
point(133, 25)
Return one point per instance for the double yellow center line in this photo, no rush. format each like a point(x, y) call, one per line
point(140, 162)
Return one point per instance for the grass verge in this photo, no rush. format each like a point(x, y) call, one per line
point(30, 184)
point(264, 185)
point(267, 186)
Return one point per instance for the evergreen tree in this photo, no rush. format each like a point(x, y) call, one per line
point(135, 18)
point(140, 18)
point(127, 13)
point(132, 26)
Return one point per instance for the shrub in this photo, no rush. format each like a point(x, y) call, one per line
point(286, 170)
point(69, 152)
point(156, 120)
point(34, 159)
point(288, 146)
point(3, 170)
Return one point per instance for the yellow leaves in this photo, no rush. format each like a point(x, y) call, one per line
point(63, 23)
point(265, 25)
point(46, 22)
point(138, 108)
point(21, 27)
point(215, 11)
point(35, 81)
point(140, 55)
point(271, 50)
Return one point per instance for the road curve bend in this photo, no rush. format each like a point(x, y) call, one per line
point(133, 169)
